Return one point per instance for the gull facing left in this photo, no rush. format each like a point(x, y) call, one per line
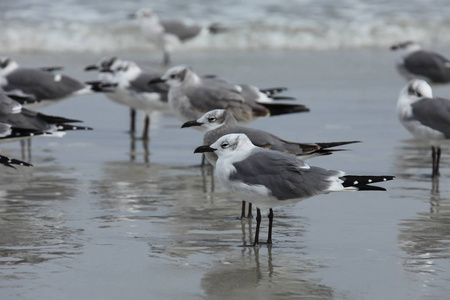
point(271, 178)
point(190, 96)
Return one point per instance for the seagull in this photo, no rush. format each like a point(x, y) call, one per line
point(133, 89)
point(191, 96)
point(220, 122)
point(45, 86)
point(271, 178)
point(169, 34)
point(426, 117)
point(415, 63)
point(25, 120)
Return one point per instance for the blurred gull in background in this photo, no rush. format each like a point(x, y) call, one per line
point(413, 62)
point(169, 34)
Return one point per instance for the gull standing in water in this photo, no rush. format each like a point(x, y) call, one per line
point(220, 122)
point(271, 178)
point(170, 34)
point(133, 89)
point(415, 63)
point(425, 117)
point(191, 96)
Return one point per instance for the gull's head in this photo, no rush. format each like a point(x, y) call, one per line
point(7, 65)
point(236, 145)
point(415, 90)
point(176, 76)
point(211, 120)
point(126, 69)
point(143, 14)
point(406, 47)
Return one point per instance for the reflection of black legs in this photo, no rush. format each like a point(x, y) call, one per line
point(146, 128)
point(436, 157)
point(269, 237)
point(243, 210)
point(249, 215)
point(258, 224)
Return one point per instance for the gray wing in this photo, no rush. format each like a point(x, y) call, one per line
point(208, 97)
point(180, 29)
point(5, 129)
point(284, 175)
point(430, 65)
point(140, 84)
point(8, 105)
point(261, 139)
point(434, 113)
point(41, 84)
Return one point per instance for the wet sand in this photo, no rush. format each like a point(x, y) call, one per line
point(98, 218)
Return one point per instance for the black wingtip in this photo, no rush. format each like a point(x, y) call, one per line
point(363, 183)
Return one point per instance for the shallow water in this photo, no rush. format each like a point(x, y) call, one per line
point(98, 218)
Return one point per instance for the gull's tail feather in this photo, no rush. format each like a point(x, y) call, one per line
point(9, 162)
point(363, 183)
point(335, 144)
point(67, 127)
point(101, 87)
point(57, 120)
point(277, 109)
point(272, 92)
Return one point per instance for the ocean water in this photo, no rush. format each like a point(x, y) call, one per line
point(95, 26)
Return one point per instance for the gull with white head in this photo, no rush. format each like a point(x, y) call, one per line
point(426, 117)
point(271, 178)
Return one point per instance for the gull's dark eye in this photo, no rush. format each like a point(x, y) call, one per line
point(173, 76)
point(418, 94)
point(211, 119)
point(224, 145)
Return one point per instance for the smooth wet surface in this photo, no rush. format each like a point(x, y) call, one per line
point(99, 218)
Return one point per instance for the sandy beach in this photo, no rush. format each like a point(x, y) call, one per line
point(98, 218)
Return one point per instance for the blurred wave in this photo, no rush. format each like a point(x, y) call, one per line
point(75, 26)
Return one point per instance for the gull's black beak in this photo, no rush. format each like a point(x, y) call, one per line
point(203, 149)
point(132, 16)
point(91, 68)
point(394, 47)
point(191, 123)
point(156, 80)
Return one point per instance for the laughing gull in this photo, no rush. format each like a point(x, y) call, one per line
point(12, 113)
point(220, 122)
point(191, 96)
point(426, 117)
point(10, 162)
point(45, 86)
point(133, 89)
point(169, 34)
point(415, 63)
point(271, 178)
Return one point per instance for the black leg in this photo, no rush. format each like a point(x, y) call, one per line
point(249, 215)
point(132, 121)
point(146, 127)
point(438, 160)
point(258, 224)
point(243, 210)
point(436, 156)
point(269, 237)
